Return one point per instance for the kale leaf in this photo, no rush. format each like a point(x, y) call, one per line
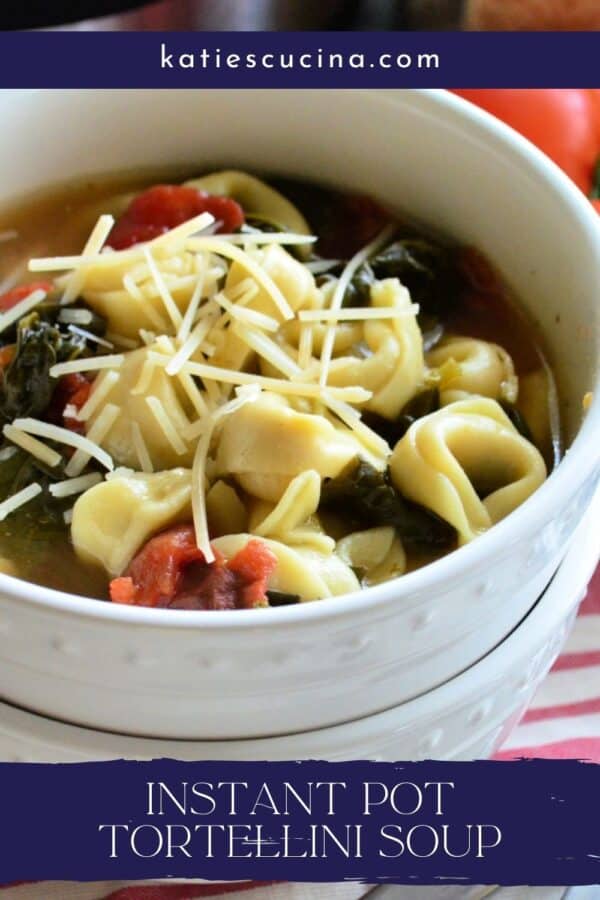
point(26, 386)
point(368, 498)
point(281, 598)
point(420, 405)
point(427, 268)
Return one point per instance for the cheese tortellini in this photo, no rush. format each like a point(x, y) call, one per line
point(144, 394)
point(468, 464)
point(112, 520)
point(258, 199)
point(301, 570)
point(470, 366)
point(265, 444)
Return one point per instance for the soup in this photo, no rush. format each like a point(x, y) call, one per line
point(253, 392)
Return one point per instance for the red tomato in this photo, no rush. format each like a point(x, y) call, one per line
point(16, 294)
point(71, 390)
point(165, 206)
point(171, 571)
point(565, 124)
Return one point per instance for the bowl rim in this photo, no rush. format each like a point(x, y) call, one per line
point(571, 472)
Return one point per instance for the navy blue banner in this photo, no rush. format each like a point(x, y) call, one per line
point(351, 59)
point(527, 822)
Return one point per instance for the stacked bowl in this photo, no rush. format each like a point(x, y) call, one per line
point(438, 662)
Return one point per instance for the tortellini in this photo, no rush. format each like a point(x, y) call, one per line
point(479, 368)
point(468, 464)
point(293, 519)
point(138, 388)
point(390, 362)
point(300, 570)
point(295, 282)
point(377, 553)
point(112, 520)
point(267, 443)
point(257, 199)
point(142, 307)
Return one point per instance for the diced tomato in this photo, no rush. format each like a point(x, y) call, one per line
point(165, 206)
point(254, 563)
point(122, 590)
point(171, 571)
point(16, 294)
point(71, 390)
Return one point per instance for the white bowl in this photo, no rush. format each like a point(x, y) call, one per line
point(466, 718)
point(265, 672)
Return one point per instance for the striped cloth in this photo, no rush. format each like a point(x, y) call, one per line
point(562, 722)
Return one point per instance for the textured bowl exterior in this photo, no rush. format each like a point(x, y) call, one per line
point(249, 674)
point(466, 718)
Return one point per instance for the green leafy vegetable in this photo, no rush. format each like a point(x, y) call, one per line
point(368, 498)
point(420, 405)
point(26, 386)
point(426, 268)
point(281, 598)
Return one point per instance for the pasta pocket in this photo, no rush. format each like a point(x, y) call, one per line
point(376, 553)
point(150, 414)
point(468, 464)
point(258, 199)
point(293, 518)
point(300, 571)
point(113, 519)
point(296, 284)
point(388, 358)
point(265, 444)
point(470, 366)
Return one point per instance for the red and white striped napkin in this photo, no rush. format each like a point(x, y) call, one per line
point(562, 722)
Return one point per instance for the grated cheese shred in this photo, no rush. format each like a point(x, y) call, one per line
point(32, 445)
point(22, 497)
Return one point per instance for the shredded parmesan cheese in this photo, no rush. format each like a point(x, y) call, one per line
point(340, 289)
point(190, 345)
point(19, 499)
point(95, 436)
point(268, 350)
point(357, 313)
point(251, 316)
point(32, 445)
point(90, 336)
point(350, 394)
point(141, 450)
point(71, 486)
point(21, 308)
point(64, 436)
point(88, 364)
point(230, 251)
point(244, 395)
point(75, 316)
point(92, 248)
point(350, 417)
point(103, 384)
point(165, 295)
point(166, 424)
point(266, 237)
point(192, 308)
